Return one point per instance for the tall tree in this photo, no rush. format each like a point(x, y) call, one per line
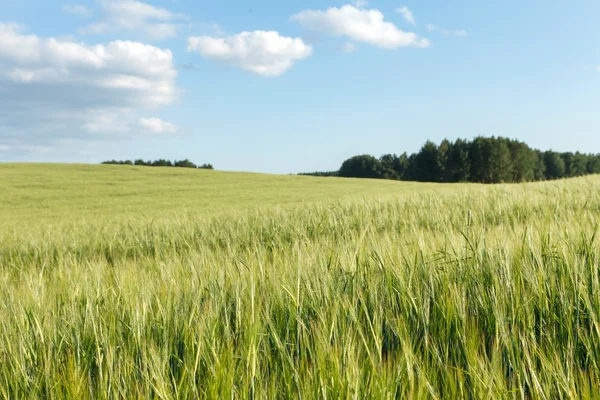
point(500, 161)
point(364, 166)
point(593, 165)
point(444, 150)
point(388, 163)
point(524, 161)
point(427, 164)
point(412, 173)
point(539, 171)
point(458, 164)
point(555, 165)
point(479, 156)
point(579, 164)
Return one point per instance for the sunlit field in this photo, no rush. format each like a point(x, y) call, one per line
point(140, 282)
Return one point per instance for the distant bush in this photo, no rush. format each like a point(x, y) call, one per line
point(185, 164)
point(321, 173)
point(115, 162)
point(160, 163)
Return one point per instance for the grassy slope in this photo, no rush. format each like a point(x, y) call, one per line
point(53, 193)
point(394, 293)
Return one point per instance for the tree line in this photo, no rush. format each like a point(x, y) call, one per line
point(482, 160)
point(321, 173)
point(160, 163)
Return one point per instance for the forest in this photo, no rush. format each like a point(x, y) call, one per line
point(482, 160)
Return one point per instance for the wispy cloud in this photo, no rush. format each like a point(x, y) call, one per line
point(446, 32)
point(78, 9)
point(156, 125)
point(210, 29)
point(134, 16)
point(17, 146)
point(407, 15)
point(359, 25)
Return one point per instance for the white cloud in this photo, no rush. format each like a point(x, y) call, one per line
point(261, 52)
point(407, 15)
point(56, 88)
point(446, 32)
point(156, 125)
point(144, 73)
point(134, 16)
point(348, 47)
point(361, 3)
point(359, 25)
point(110, 122)
point(78, 9)
point(16, 146)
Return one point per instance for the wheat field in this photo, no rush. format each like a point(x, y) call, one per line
point(150, 283)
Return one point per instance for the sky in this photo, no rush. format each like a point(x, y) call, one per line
point(292, 86)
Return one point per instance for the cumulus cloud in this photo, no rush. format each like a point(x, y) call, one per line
point(134, 16)
point(142, 74)
point(156, 125)
point(407, 15)
point(360, 25)
point(52, 88)
point(446, 32)
point(265, 53)
point(79, 10)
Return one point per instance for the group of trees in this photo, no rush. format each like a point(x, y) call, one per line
point(161, 163)
point(482, 160)
point(322, 173)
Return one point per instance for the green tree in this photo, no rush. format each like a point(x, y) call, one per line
point(185, 164)
point(500, 161)
point(539, 171)
point(479, 155)
point(593, 165)
point(555, 165)
point(579, 164)
point(575, 164)
point(444, 150)
point(524, 161)
point(388, 161)
point(458, 164)
point(427, 167)
point(401, 165)
point(364, 166)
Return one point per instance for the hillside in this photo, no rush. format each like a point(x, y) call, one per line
point(60, 193)
point(120, 282)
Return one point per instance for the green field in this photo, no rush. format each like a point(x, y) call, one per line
point(39, 194)
point(139, 282)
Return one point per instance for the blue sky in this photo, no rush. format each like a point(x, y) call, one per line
point(307, 85)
